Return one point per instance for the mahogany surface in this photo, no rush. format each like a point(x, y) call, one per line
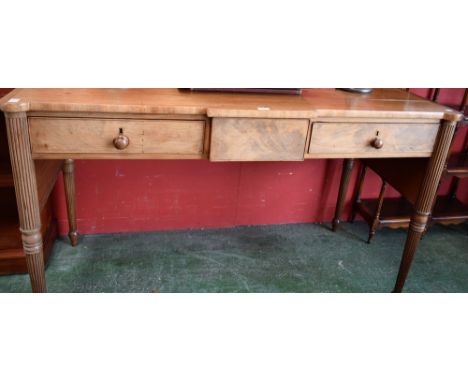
point(221, 127)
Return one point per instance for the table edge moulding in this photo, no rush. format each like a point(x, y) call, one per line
point(68, 124)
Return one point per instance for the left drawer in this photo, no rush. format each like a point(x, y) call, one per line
point(88, 136)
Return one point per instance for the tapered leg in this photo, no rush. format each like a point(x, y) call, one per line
point(69, 182)
point(454, 187)
point(378, 210)
point(345, 175)
point(24, 176)
point(357, 200)
point(425, 200)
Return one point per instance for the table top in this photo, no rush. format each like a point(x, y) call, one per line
point(313, 103)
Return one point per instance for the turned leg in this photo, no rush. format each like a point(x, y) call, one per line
point(378, 210)
point(69, 182)
point(454, 188)
point(425, 200)
point(345, 176)
point(24, 176)
point(357, 200)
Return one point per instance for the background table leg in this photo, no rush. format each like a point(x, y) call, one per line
point(348, 165)
point(69, 182)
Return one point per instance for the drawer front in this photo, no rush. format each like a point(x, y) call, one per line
point(96, 136)
point(358, 140)
point(258, 139)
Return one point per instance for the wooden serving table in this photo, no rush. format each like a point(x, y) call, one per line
point(66, 124)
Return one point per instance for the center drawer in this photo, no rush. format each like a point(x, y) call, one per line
point(96, 136)
point(258, 139)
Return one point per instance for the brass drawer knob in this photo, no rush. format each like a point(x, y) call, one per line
point(377, 143)
point(121, 142)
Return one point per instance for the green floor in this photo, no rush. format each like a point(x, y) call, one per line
point(278, 258)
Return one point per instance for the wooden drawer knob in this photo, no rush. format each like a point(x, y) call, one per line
point(121, 142)
point(377, 143)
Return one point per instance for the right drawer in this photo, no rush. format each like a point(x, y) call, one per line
point(370, 140)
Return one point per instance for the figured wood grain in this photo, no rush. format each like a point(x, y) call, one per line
point(244, 127)
point(354, 140)
point(245, 139)
point(313, 103)
point(173, 137)
point(24, 176)
point(70, 135)
point(96, 136)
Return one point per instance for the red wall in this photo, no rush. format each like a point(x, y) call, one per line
point(120, 196)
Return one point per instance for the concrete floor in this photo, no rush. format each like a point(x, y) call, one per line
point(277, 258)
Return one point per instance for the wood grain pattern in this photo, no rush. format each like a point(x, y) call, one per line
point(12, 258)
point(96, 136)
point(174, 137)
point(313, 103)
point(82, 123)
point(244, 139)
point(425, 200)
point(27, 197)
point(354, 140)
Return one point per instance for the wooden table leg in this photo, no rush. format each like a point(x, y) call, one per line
point(348, 165)
point(24, 175)
point(425, 201)
point(69, 182)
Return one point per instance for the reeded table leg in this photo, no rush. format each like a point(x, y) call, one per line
point(348, 165)
point(425, 201)
point(69, 182)
point(24, 175)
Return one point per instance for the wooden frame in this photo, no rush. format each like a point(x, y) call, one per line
point(396, 212)
point(259, 113)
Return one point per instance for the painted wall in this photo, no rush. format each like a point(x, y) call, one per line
point(121, 196)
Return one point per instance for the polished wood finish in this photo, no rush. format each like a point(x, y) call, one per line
point(118, 137)
point(313, 103)
point(27, 197)
point(242, 139)
point(421, 181)
point(69, 184)
point(167, 123)
point(397, 212)
point(425, 200)
point(12, 258)
point(367, 140)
